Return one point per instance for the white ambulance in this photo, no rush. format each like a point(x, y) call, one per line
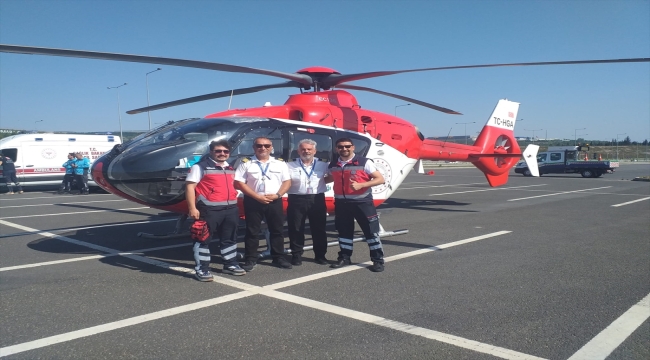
point(39, 157)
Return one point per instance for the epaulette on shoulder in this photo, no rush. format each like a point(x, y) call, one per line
point(245, 160)
point(279, 159)
point(324, 160)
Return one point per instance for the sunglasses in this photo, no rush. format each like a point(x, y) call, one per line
point(344, 146)
point(219, 151)
point(259, 146)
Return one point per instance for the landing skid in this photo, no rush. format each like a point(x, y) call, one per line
point(177, 234)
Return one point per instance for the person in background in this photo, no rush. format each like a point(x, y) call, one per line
point(263, 180)
point(69, 175)
point(307, 200)
point(9, 173)
point(353, 177)
point(211, 197)
point(81, 166)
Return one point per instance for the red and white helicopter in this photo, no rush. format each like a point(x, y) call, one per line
point(151, 168)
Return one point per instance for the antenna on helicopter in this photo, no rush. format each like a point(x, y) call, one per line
point(230, 102)
point(443, 144)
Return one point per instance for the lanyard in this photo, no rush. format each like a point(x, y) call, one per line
point(264, 170)
point(313, 167)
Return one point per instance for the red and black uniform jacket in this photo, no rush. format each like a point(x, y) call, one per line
point(216, 187)
point(353, 171)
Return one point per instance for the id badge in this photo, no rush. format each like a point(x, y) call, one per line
point(262, 187)
point(310, 190)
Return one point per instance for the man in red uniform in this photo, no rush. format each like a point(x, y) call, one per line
point(353, 177)
point(211, 196)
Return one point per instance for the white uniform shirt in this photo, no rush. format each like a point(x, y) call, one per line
point(302, 185)
point(196, 173)
point(250, 173)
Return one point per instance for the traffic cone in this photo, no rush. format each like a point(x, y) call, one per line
point(586, 156)
point(600, 158)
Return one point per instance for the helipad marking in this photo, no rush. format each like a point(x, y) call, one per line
point(560, 193)
point(612, 336)
point(74, 213)
point(631, 202)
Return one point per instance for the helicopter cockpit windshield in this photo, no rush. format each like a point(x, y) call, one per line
point(153, 166)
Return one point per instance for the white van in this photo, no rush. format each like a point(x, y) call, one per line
point(39, 157)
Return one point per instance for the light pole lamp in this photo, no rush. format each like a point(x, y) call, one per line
point(37, 121)
point(617, 144)
point(575, 136)
point(119, 113)
point(399, 106)
point(146, 78)
point(534, 132)
point(473, 122)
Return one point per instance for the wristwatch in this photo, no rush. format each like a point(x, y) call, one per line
point(279, 196)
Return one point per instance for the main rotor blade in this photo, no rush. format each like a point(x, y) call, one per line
point(31, 50)
point(216, 95)
point(335, 79)
point(414, 101)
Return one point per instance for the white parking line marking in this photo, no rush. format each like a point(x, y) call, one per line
point(86, 227)
point(56, 339)
point(134, 252)
point(631, 202)
point(78, 212)
point(612, 336)
point(23, 198)
point(435, 186)
point(399, 326)
point(491, 189)
point(560, 193)
point(69, 203)
point(268, 291)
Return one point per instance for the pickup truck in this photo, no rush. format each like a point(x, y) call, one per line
point(565, 160)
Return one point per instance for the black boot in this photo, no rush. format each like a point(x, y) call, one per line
point(341, 262)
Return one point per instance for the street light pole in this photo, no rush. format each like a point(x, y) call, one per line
point(617, 144)
point(533, 132)
point(575, 136)
point(473, 122)
point(399, 106)
point(37, 121)
point(119, 113)
point(146, 77)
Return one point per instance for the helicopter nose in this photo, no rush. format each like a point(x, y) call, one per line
point(150, 174)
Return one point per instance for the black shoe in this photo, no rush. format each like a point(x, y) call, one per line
point(341, 262)
point(296, 260)
point(249, 265)
point(321, 261)
point(376, 267)
point(282, 263)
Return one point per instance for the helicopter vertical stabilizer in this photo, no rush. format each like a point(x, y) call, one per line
point(498, 138)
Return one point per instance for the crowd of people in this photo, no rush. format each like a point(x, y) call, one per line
point(211, 194)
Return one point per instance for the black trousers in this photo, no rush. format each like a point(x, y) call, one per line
point(10, 177)
point(67, 181)
point(222, 222)
point(301, 208)
point(82, 182)
point(366, 215)
point(255, 212)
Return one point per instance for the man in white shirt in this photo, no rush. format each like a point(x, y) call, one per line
point(307, 200)
point(263, 180)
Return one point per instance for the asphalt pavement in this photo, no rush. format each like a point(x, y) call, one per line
point(555, 267)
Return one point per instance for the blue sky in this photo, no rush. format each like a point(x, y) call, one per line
point(349, 36)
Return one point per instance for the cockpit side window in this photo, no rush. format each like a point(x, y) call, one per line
point(323, 145)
